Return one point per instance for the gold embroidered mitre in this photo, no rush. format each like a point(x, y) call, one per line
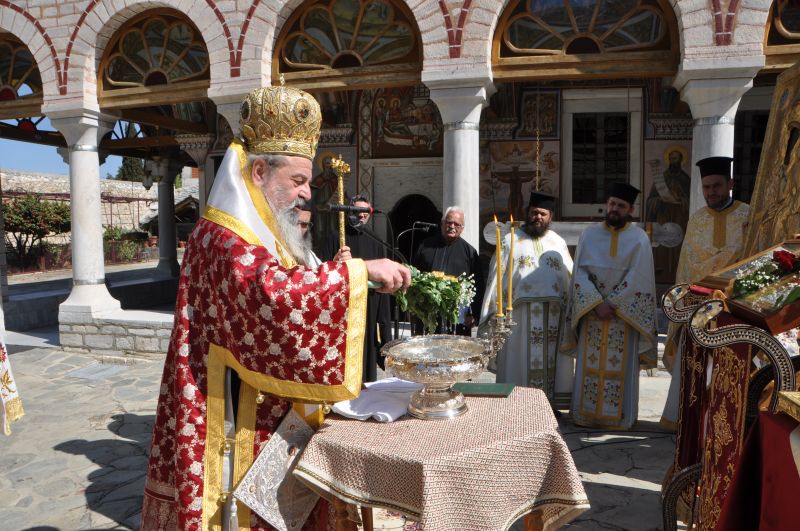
point(280, 121)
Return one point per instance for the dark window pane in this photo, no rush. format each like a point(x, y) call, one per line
point(599, 154)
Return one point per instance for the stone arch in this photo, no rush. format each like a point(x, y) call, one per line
point(23, 25)
point(432, 30)
point(102, 19)
point(751, 24)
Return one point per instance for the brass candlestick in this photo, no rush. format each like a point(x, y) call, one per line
point(499, 332)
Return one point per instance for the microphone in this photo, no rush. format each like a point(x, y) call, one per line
point(426, 224)
point(353, 209)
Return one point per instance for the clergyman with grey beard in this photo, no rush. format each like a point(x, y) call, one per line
point(261, 334)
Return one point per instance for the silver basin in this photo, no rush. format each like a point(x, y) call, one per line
point(437, 361)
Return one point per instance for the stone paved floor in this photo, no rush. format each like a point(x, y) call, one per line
point(77, 459)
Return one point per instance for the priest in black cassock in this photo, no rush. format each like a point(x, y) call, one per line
point(359, 243)
point(449, 253)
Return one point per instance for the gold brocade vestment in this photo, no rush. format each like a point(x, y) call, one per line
point(713, 241)
point(292, 333)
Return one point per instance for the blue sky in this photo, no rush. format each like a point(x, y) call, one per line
point(16, 155)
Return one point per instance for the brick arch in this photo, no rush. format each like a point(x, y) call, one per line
point(432, 24)
point(101, 19)
point(751, 22)
point(427, 15)
point(20, 23)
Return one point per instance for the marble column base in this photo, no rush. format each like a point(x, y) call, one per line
point(85, 302)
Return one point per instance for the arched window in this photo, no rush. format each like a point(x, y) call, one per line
point(364, 40)
point(20, 83)
point(156, 50)
point(618, 36)
point(782, 39)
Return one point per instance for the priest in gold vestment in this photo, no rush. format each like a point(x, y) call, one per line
point(714, 237)
point(259, 329)
point(610, 316)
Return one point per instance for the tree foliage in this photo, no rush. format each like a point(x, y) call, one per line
point(28, 219)
point(132, 169)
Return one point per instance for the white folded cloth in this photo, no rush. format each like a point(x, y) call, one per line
point(385, 400)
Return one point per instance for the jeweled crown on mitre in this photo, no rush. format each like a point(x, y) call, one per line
point(280, 121)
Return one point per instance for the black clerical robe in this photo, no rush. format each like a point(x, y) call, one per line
point(379, 329)
point(434, 254)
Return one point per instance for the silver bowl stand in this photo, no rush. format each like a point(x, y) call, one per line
point(438, 400)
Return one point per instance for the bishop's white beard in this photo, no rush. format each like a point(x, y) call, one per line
point(287, 219)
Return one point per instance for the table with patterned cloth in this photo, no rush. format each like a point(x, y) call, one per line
point(481, 471)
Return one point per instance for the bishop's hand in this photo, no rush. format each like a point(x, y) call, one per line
point(391, 275)
point(343, 254)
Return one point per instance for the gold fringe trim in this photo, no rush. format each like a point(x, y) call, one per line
point(720, 228)
point(612, 251)
point(303, 392)
point(313, 419)
point(245, 445)
point(720, 220)
point(215, 442)
point(223, 219)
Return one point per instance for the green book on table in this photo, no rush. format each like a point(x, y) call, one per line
point(484, 389)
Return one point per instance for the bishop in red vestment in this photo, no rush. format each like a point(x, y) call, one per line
point(250, 310)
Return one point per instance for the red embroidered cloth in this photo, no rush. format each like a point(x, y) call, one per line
point(764, 492)
point(712, 414)
point(237, 307)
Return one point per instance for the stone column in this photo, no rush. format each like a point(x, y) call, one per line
point(713, 96)
point(460, 103)
point(89, 296)
point(3, 262)
point(167, 233)
point(197, 146)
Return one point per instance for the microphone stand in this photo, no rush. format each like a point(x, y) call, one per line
point(363, 229)
point(413, 228)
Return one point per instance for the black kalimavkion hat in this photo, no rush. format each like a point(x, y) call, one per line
point(540, 200)
point(715, 166)
point(623, 191)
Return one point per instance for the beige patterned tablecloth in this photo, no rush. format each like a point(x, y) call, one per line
point(482, 471)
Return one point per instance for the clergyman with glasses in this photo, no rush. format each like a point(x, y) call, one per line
point(450, 254)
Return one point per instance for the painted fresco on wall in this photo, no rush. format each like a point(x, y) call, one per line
point(538, 109)
point(662, 98)
point(667, 183)
point(510, 175)
point(405, 123)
